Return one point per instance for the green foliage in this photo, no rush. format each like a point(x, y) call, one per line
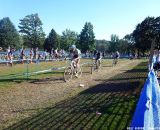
point(68, 38)
point(8, 34)
point(87, 38)
point(102, 45)
point(130, 43)
point(31, 28)
point(114, 43)
point(147, 31)
point(125, 45)
point(52, 41)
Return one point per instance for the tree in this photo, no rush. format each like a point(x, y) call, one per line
point(8, 34)
point(52, 41)
point(31, 28)
point(68, 38)
point(87, 38)
point(130, 43)
point(114, 43)
point(102, 45)
point(145, 32)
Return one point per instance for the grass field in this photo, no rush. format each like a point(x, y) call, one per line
point(109, 105)
point(18, 72)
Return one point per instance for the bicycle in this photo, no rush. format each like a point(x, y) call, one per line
point(71, 71)
point(115, 61)
point(96, 66)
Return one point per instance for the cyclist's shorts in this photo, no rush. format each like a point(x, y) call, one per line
point(75, 56)
point(98, 58)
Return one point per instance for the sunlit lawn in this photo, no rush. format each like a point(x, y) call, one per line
point(23, 72)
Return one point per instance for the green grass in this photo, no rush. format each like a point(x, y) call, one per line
point(10, 76)
point(115, 99)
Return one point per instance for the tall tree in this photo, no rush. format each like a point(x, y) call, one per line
point(52, 41)
point(87, 38)
point(130, 43)
point(68, 38)
point(114, 43)
point(31, 28)
point(8, 34)
point(146, 32)
point(102, 45)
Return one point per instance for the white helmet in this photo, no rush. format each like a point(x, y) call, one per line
point(73, 46)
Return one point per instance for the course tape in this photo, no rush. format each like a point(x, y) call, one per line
point(52, 69)
point(27, 60)
point(12, 76)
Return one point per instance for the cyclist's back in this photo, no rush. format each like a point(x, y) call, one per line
point(117, 55)
point(76, 53)
point(98, 55)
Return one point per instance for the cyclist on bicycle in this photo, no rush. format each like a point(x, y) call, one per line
point(98, 57)
point(116, 57)
point(76, 55)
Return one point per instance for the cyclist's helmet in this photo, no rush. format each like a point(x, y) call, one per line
point(72, 47)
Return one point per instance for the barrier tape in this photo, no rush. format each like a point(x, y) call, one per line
point(38, 72)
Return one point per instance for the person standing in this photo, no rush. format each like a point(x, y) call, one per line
point(22, 55)
point(31, 53)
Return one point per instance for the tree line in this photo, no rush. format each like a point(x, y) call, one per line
point(31, 35)
point(139, 41)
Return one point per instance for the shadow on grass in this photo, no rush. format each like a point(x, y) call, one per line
point(138, 72)
point(18, 78)
point(105, 106)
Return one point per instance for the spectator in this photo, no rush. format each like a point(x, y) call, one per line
point(22, 55)
point(31, 53)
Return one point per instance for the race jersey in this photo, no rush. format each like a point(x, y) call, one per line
point(77, 53)
point(98, 55)
point(117, 55)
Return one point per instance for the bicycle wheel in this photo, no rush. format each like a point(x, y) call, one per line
point(68, 74)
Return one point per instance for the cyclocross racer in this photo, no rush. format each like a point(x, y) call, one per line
point(98, 56)
point(76, 55)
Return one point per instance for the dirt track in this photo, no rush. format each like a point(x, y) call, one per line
point(26, 98)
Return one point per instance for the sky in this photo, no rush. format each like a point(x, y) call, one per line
point(108, 17)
